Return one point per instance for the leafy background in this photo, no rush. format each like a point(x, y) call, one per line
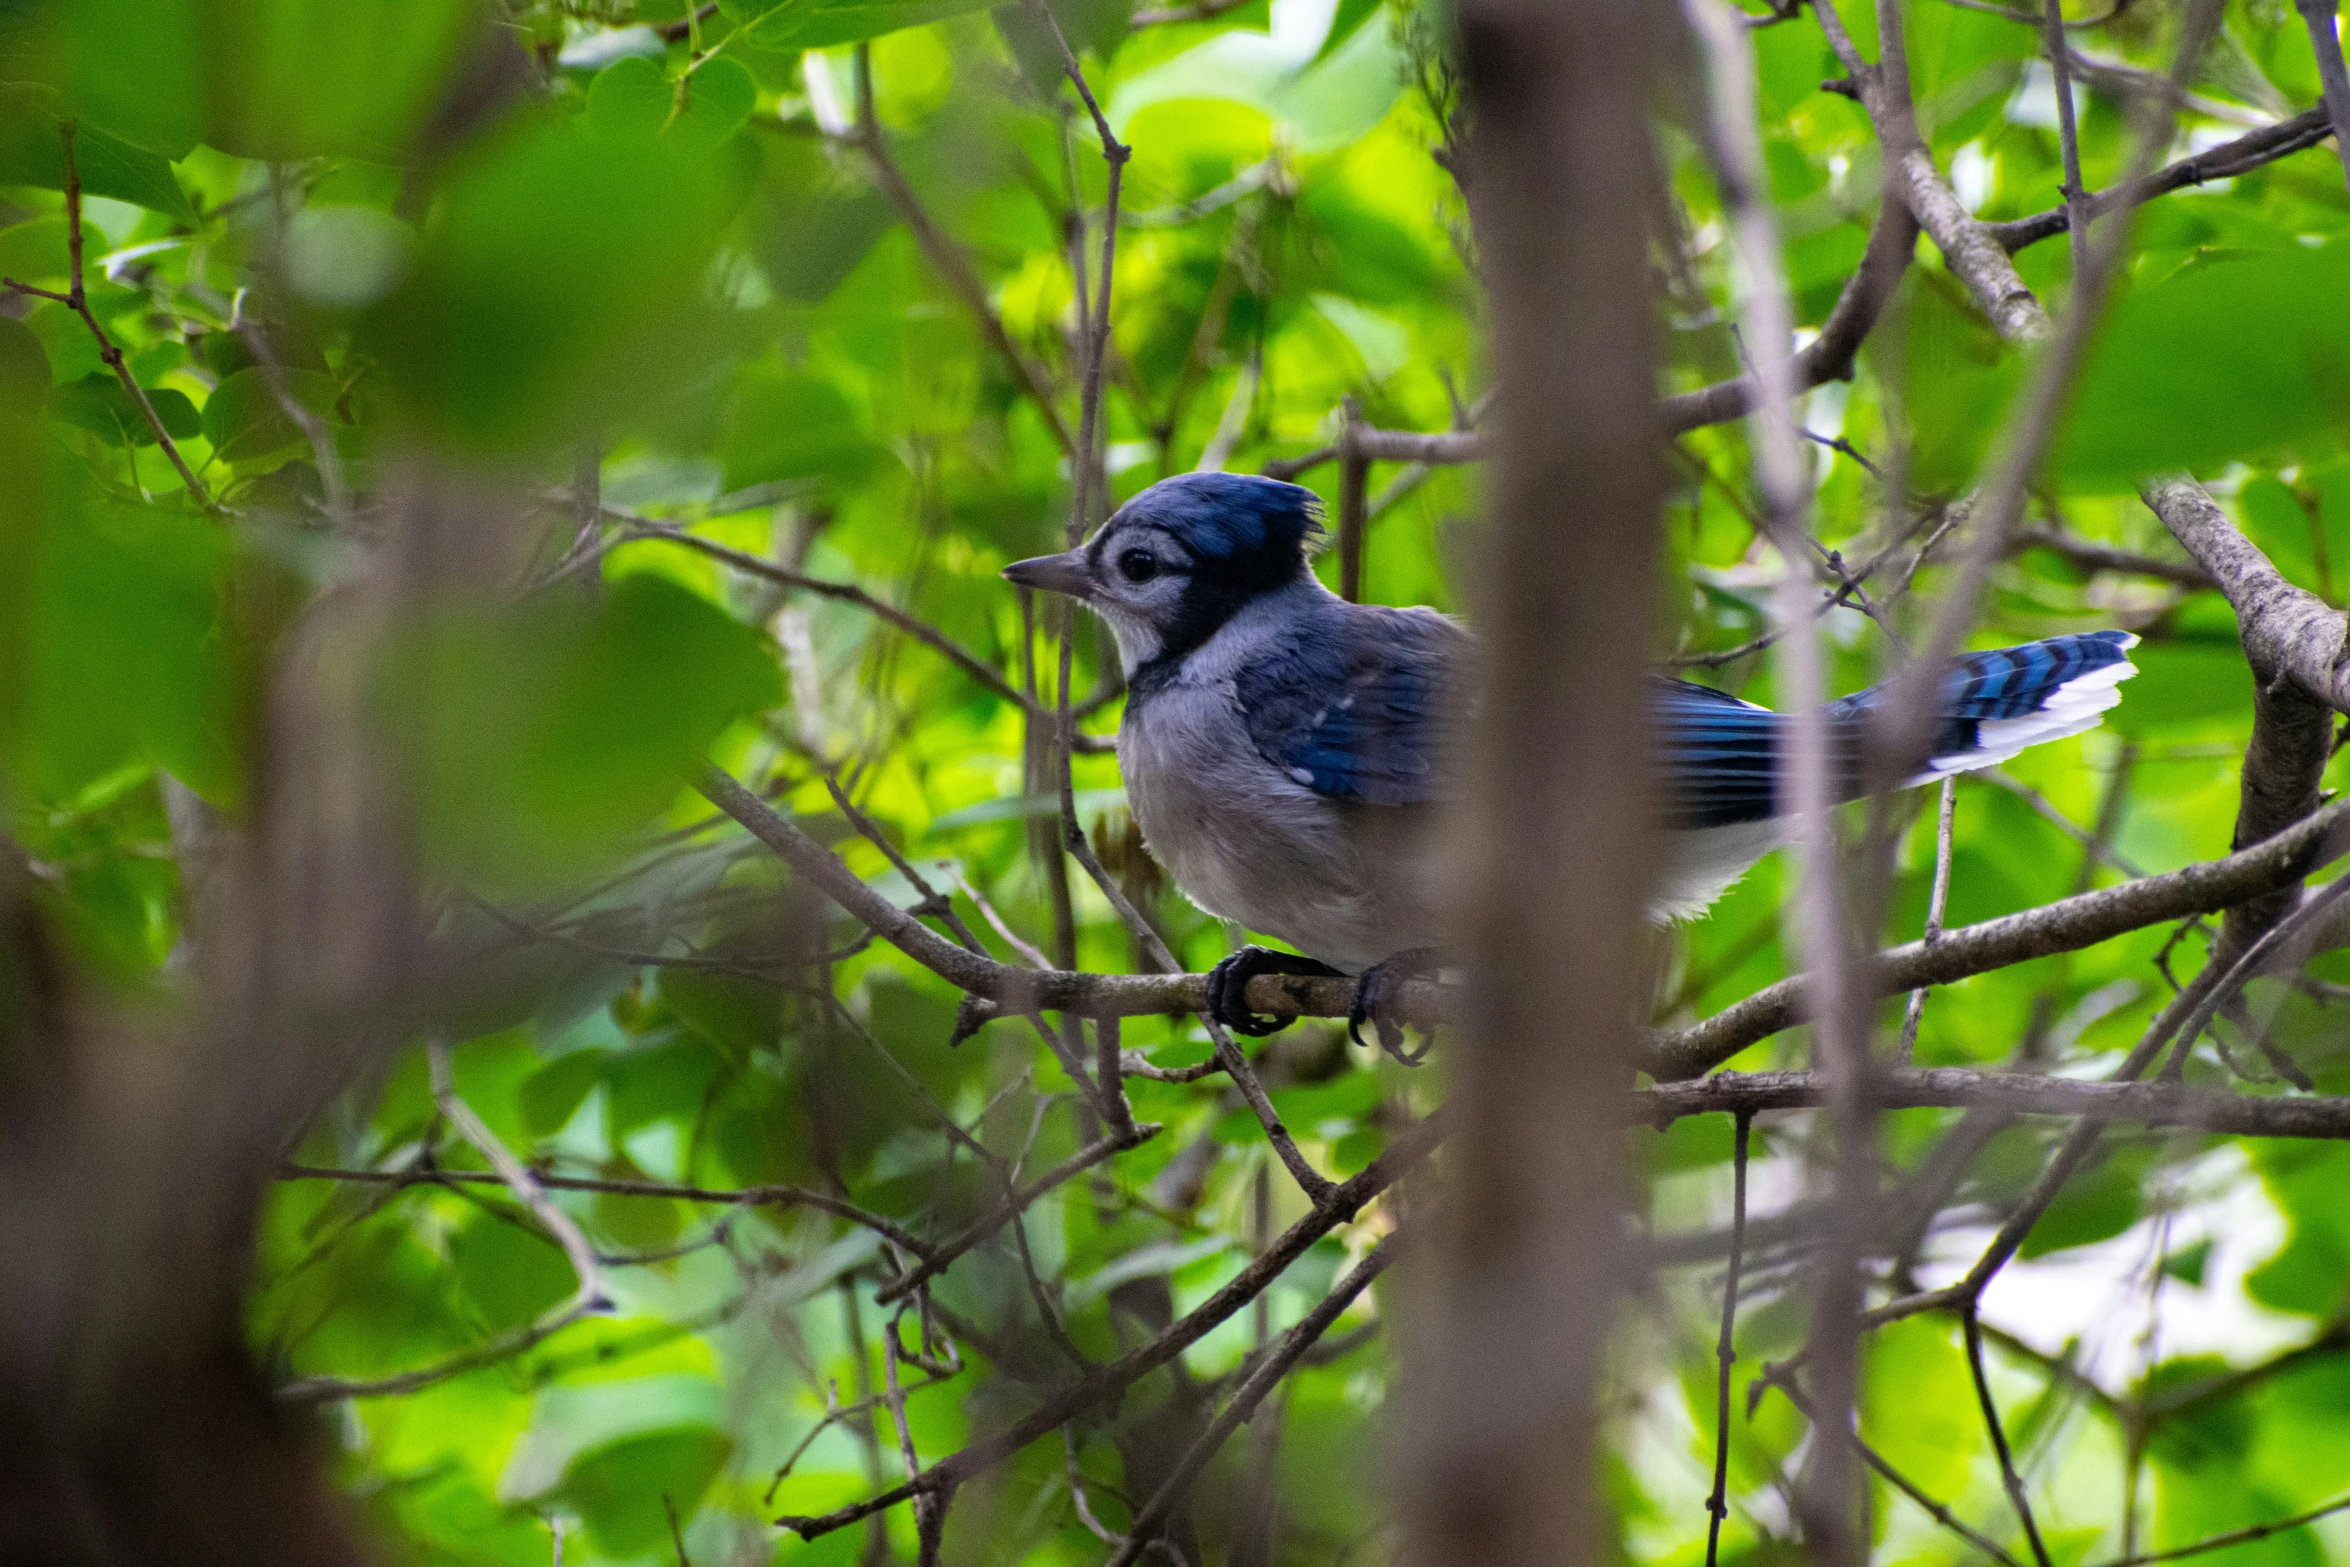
point(604, 254)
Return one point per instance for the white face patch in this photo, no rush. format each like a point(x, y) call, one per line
point(1138, 640)
point(1139, 576)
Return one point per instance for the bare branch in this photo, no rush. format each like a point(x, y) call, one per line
point(2325, 40)
point(590, 1295)
point(2064, 926)
point(1260, 1382)
point(1110, 1380)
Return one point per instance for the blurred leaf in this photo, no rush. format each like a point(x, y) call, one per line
point(2310, 1275)
point(337, 78)
point(1920, 1409)
point(557, 284)
point(638, 1223)
point(811, 226)
point(98, 403)
point(1344, 24)
point(24, 372)
point(538, 739)
point(345, 257)
point(126, 655)
point(551, 1096)
point(36, 251)
point(2187, 1265)
point(2216, 362)
point(785, 425)
point(1956, 378)
point(623, 1491)
point(247, 423)
point(510, 1275)
point(32, 152)
point(2275, 520)
point(2095, 1205)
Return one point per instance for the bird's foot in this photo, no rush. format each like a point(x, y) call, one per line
point(1228, 987)
point(1375, 997)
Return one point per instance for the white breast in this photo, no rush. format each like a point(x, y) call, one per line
point(1249, 843)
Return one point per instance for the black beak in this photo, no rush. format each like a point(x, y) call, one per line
point(1064, 573)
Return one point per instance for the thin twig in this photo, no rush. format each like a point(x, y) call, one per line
point(2220, 1542)
point(947, 256)
point(1945, 814)
point(591, 1295)
point(1717, 1504)
point(76, 298)
point(1253, 1391)
point(2007, 1472)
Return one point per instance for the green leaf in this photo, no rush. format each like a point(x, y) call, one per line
point(328, 78)
point(552, 1095)
point(36, 251)
point(24, 372)
point(2278, 523)
point(1350, 17)
point(32, 152)
point(786, 425)
point(624, 1491)
point(246, 422)
point(1920, 1411)
point(2094, 1205)
point(98, 403)
point(825, 24)
point(634, 97)
point(126, 658)
point(2310, 1274)
point(812, 226)
point(538, 740)
point(2216, 362)
point(558, 288)
point(1956, 378)
point(135, 68)
point(510, 1275)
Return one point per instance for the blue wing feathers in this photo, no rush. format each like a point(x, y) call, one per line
point(1359, 707)
point(1364, 704)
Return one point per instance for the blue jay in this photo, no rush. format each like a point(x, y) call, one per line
point(1284, 751)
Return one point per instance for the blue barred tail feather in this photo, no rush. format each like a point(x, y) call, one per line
point(1998, 704)
point(1720, 756)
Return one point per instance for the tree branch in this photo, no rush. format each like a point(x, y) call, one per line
point(2064, 926)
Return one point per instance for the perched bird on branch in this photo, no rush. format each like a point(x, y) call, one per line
point(1285, 751)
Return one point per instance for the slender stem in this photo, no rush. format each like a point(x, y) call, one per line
point(2007, 1471)
point(2220, 1542)
point(1354, 474)
point(1946, 813)
point(2076, 195)
point(590, 1295)
point(77, 299)
point(2325, 41)
point(1718, 1504)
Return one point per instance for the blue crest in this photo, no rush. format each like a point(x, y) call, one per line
point(1254, 524)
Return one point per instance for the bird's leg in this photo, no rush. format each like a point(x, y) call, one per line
point(1228, 986)
point(1375, 997)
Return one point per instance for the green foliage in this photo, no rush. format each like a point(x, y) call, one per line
point(588, 302)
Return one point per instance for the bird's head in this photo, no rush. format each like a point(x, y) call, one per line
point(1180, 559)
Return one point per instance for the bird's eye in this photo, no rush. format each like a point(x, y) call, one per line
point(1138, 565)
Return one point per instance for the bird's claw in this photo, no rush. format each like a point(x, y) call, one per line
point(1375, 996)
point(1228, 987)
